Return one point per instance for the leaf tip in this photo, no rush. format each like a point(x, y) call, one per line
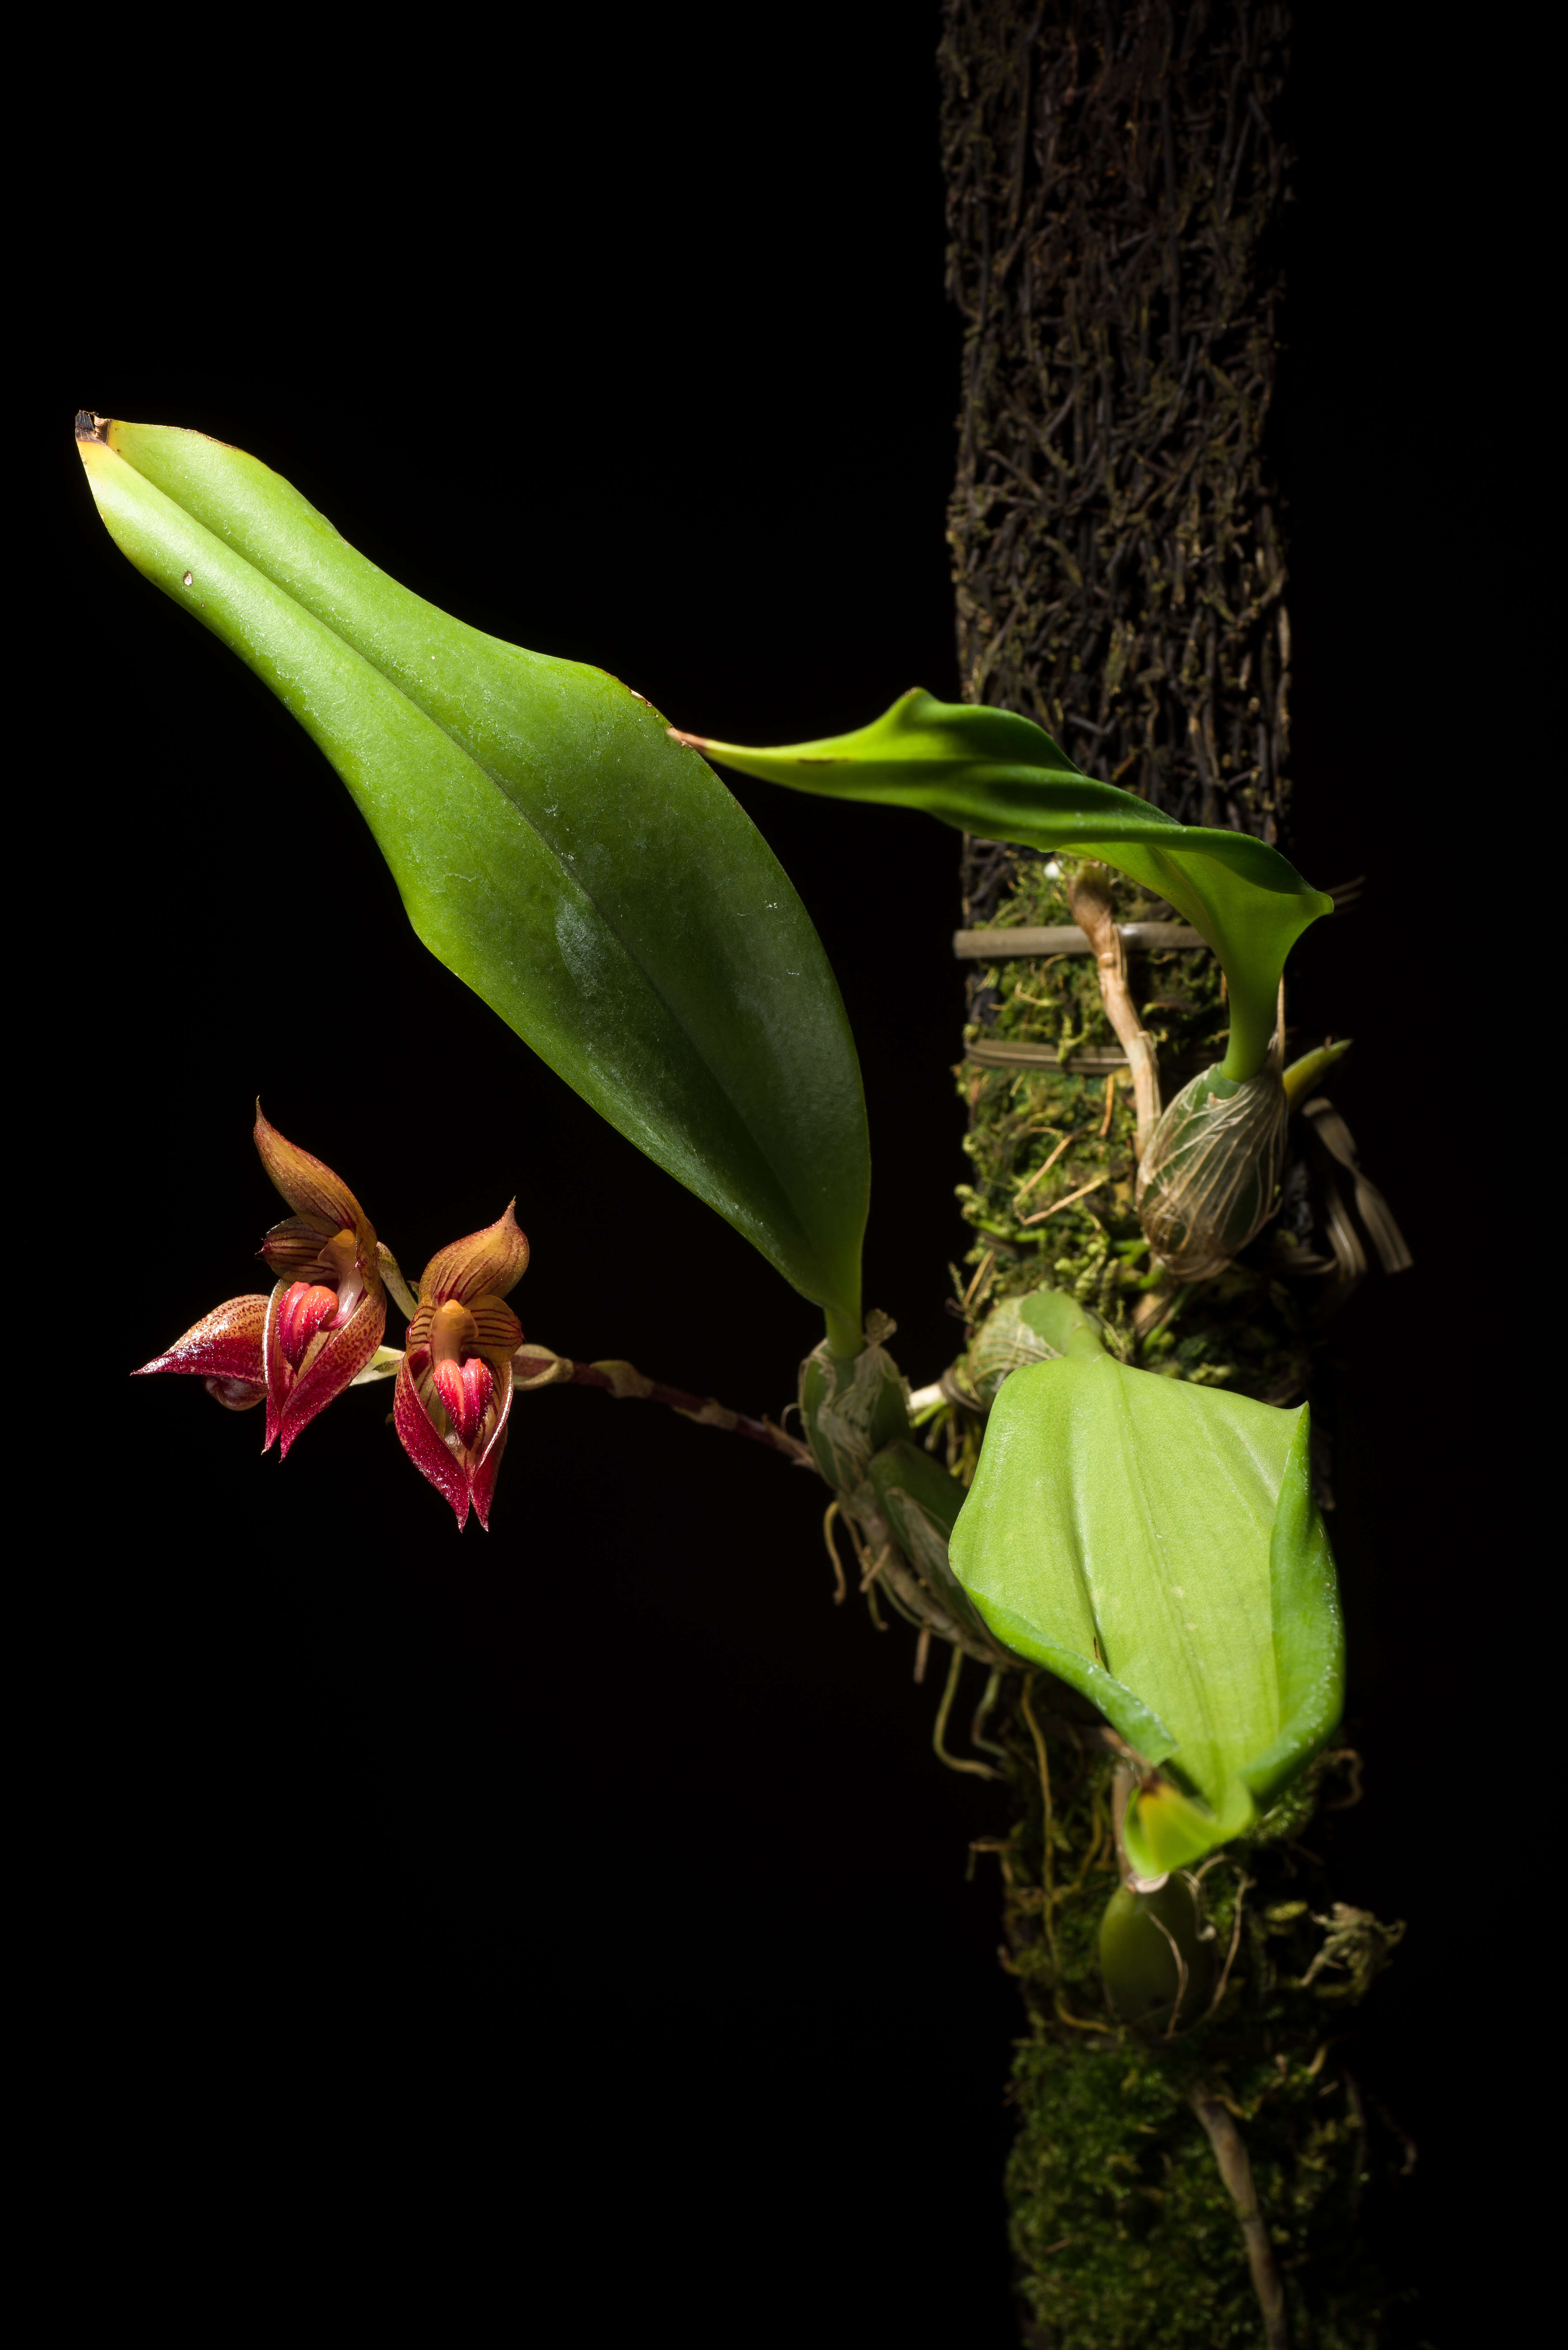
point(92, 428)
point(693, 741)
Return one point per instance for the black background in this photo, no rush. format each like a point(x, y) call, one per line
point(577, 1915)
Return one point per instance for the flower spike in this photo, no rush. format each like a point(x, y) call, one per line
point(453, 1397)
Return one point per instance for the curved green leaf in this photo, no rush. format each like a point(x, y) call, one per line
point(592, 881)
point(1155, 1546)
point(989, 772)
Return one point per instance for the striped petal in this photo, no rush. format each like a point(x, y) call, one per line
point(498, 1334)
point(295, 1245)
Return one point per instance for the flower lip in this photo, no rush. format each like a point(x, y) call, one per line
point(453, 1336)
point(467, 1390)
point(334, 1353)
point(307, 1306)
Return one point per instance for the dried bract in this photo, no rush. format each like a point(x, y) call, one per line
point(1005, 1343)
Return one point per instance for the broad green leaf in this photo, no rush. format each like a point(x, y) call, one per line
point(1155, 1544)
point(593, 882)
point(1001, 777)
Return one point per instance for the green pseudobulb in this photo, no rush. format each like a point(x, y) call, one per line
point(1157, 1546)
point(1153, 1956)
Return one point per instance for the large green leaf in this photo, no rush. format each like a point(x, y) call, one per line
point(1155, 1544)
point(592, 880)
point(1001, 777)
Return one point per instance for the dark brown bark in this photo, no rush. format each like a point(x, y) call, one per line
point(1112, 175)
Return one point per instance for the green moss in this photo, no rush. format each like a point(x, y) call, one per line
point(1124, 2234)
point(1119, 571)
point(1039, 1137)
point(1123, 2231)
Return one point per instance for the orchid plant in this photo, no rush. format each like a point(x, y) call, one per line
point(577, 861)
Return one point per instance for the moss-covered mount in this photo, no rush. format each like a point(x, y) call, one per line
point(1124, 2230)
point(1113, 173)
point(1124, 2233)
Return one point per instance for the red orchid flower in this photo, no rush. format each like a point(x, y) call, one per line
point(323, 1325)
point(300, 1347)
point(454, 1385)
